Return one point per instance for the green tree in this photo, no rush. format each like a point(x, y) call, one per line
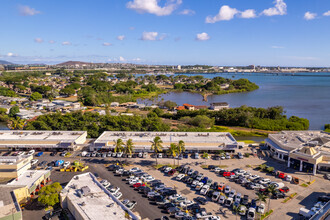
point(49, 195)
point(13, 111)
point(236, 210)
point(119, 145)
point(17, 123)
point(157, 146)
point(35, 96)
point(181, 148)
point(271, 190)
point(3, 111)
point(129, 147)
point(172, 151)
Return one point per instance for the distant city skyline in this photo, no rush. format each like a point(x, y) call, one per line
point(173, 32)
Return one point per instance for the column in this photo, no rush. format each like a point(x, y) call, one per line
point(314, 169)
point(288, 161)
point(301, 166)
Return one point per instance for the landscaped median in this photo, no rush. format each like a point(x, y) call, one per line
point(267, 214)
point(289, 198)
point(307, 184)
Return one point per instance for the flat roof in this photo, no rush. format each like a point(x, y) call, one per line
point(8, 202)
point(97, 203)
point(38, 137)
point(291, 140)
point(193, 139)
point(28, 178)
point(11, 160)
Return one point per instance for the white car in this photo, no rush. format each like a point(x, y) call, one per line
point(261, 208)
point(204, 189)
point(21, 153)
point(222, 200)
point(194, 183)
point(238, 197)
point(132, 182)
point(114, 190)
point(251, 214)
point(66, 164)
point(214, 217)
point(227, 156)
point(228, 202)
point(93, 154)
point(168, 169)
point(83, 154)
point(217, 169)
point(134, 169)
point(105, 183)
point(199, 186)
point(120, 154)
point(31, 152)
point(173, 197)
point(180, 176)
point(114, 154)
point(34, 161)
point(160, 155)
point(227, 189)
point(264, 181)
point(180, 215)
point(232, 193)
point(149, 179)
point(240, 172)
point(253, 177)
point(118, 195)
point(109, 154)
point(186, 203)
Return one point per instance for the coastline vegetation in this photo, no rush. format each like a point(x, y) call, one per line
point(327, 128)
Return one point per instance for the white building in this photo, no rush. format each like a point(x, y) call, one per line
point(194, 141)
point(306, 151)
point(41, 140)
point(216, 106)
point(87, 198)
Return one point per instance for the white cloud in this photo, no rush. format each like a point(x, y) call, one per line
point(66, 43)
point(51, 42)
point(326, 13)
point(226, 13)
point(310, 16)
point(122, 59)
point(152, 7)
point(106, 44)
point(38, 40)
point(137, 59)
point(121, 37)
point(278, 47)
point(187, 12)
point(279, 9)
point(202, 37)
point(162, 37)
point(249, 13)
point(149, 36)
point(10, 54)
point(25, 10)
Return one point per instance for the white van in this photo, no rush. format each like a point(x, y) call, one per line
point(83, 154)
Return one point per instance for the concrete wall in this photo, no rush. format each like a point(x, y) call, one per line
point(81, 139)
point(16, 216)
point(22, 194)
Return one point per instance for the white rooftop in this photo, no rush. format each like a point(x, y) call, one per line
point(21, 135)
point(28, 178)
point(169, 137)
point(96, 204)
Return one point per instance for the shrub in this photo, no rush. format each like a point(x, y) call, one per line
point(247, 155)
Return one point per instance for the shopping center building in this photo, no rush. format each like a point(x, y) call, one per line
point(194, 141)
point(306, 151)
point(13, 166)
point(41, 140)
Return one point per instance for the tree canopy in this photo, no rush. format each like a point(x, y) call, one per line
point(49, 195)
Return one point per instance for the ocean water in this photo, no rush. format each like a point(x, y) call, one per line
point(303, 95)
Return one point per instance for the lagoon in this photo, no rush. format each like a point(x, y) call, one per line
point(302, 95)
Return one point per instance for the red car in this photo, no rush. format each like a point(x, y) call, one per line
point(228, 174)
point(171, 172)
point(137, 185)
point(284, 189)
point(281, 175)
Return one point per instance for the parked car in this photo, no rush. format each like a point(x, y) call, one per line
point(245, 200)
point(66, 164)
point(242, 210)
point(240, 155)
point(31, 152)
point(201, 200)
point(131, 205)
point(180, 177)
point(39, 154)
point(222, 199)
point(251, 214)
point(229, 202)
point(227, 189)
point(204, 189)
point(34, 162)
point(261, 208)
point(215, 196)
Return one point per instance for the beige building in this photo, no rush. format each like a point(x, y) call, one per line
point(306, 151)
point(9, 205)
point(14, 166)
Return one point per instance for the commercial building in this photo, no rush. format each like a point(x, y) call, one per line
point(29, 182)
point(41, 140)
point(13, 166)
point(9, 206)
point(216, 106)
point(87, 198)
point(194, 141)
point(306, 151)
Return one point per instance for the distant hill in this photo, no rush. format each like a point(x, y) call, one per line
point(72, 63)
point(3, 62)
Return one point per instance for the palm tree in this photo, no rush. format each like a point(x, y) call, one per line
point(271, 190)
point(261, 198)
point(119, 145)
point(129, 147)
point(157, 146)
point(172, 151)
point(181, 147)
point(17, 123)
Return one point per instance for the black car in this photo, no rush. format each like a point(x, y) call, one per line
point(190, 180)
point(53, 153)
point(210, 193)
point(194, 208)
point(278, 195)
point(324, 198)
point(43, 164)
point(173, 210)
point(185, 178)
point(201, 200)
point(214, 185)
point(195, 174)
point(245, 200)
point(126, 173)
point(168, 205)
point(51, 164)
point(112, 167)
point(211, 167)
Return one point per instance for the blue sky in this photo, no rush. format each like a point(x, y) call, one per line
point(215, 32)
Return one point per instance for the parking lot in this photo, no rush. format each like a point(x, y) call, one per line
point(305, 197)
